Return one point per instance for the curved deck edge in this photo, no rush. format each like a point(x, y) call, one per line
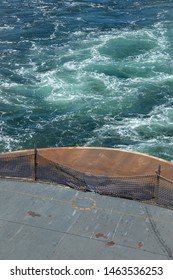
point(102, 161)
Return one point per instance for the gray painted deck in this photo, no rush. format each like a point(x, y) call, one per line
point(43, 221)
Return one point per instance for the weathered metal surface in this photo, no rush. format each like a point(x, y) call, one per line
point(104, 161)
point(40, 221)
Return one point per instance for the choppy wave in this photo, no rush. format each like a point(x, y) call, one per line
point(87, 73)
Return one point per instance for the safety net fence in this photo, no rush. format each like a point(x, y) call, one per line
point(152, 188)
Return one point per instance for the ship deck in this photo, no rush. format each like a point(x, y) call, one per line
point(47, 221)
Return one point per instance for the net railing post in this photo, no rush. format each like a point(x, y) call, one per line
point(158, 172)
point(35, 163)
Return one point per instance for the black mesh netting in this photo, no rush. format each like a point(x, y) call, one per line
point(149, 188)
point(17, 166)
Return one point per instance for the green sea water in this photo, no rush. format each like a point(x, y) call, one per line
point(87, 73)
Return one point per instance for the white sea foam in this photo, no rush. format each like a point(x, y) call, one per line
point(6, 27)
point(89, 83)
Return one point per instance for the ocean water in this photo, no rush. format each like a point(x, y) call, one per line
point(87, 73)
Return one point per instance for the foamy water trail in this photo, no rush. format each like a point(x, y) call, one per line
point(92, 73)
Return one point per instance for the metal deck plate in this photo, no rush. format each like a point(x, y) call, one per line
point(41, 221)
